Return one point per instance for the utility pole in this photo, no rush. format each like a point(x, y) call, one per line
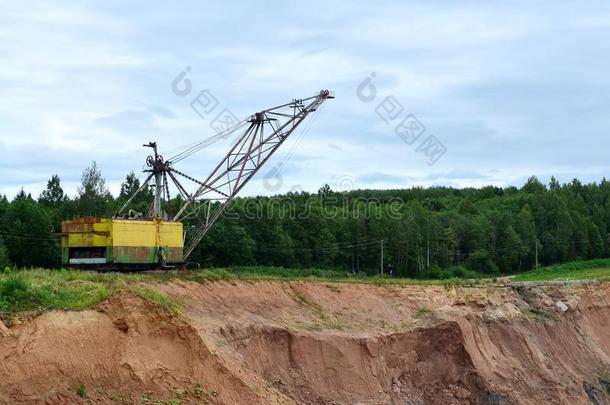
point(428, 241)
point(536, 241)
point(381, 262)
point(428, 249)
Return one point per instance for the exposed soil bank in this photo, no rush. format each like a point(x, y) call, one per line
point(320, 343)
point(123, 351)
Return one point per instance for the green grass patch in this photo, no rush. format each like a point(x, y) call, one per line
point(40, 289)
point(35, 290)
point(261, 273)
point(159, 298)
point(581, 270)
point(287, 273)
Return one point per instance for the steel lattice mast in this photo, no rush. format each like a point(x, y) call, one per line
point(264, 133)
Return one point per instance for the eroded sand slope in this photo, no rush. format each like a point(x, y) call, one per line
point(278, 342)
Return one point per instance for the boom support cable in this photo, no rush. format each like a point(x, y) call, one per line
point(261, 135)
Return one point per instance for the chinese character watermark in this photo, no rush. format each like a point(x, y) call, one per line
point(405, 125)
point(204, 104)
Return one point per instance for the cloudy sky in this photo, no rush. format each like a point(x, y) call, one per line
point(507, 89)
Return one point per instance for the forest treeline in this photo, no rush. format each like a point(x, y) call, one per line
point(433, 232)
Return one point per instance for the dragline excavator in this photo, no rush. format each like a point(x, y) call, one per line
point(130, 240)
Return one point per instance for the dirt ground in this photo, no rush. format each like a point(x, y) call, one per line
point(274, 342)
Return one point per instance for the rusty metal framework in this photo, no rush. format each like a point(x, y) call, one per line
point(261, 135)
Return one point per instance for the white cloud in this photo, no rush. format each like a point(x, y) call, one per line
point(511, 90)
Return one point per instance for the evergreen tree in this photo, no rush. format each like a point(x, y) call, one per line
point(533, 186)
point(129, 187)
point(26, 228)
point(93, 194)
point(53, 196)
point(554, 184)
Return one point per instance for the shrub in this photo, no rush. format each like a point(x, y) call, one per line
point(4, 259)
point(81, 391)
point(434, 272)
point(462, 272)
point(16, 294)
point(481, 262)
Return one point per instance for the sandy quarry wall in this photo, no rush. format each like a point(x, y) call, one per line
point(124, 349)
point(344, 343)
point(320, 343)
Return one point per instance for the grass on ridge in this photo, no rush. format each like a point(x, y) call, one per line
point(160, 298)
point(40, 289)
point(598, 269)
